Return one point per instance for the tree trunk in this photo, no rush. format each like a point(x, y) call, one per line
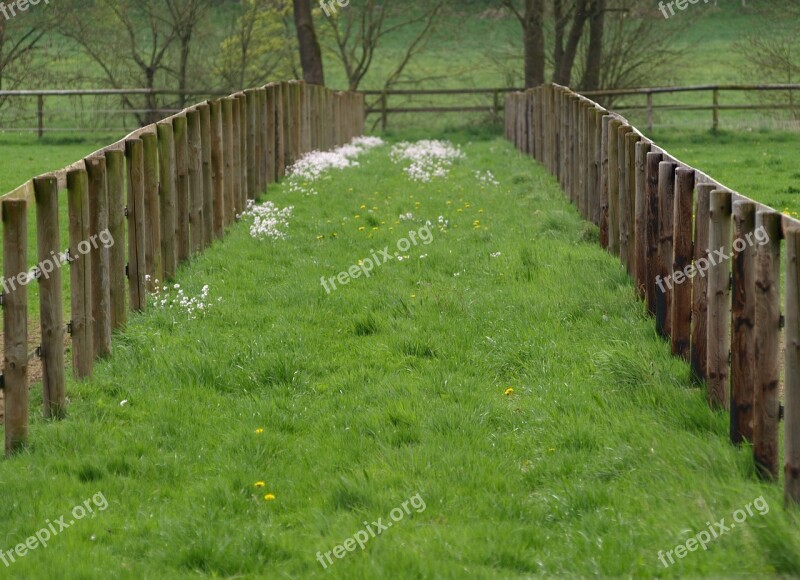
point(534, 43)
point(310, 52)
point(562, 72)
point(594, 50)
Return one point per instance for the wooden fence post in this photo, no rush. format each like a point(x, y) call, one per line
point(681, 325)
point(230, 159)
point(152, 209)
point(604, 181)
point(719, 299)
point(80, 274)
point(101, 285)
point(768, 325)
point(166, 155)
point(179, 126)
point(640, 222)
point(280, 129)
point(272, 136)
point(743, 315)
point(652, 289)
point(614, 179)
point(251, 113)
point(627, 226)
point(666, 232)
point(208, 174)
point(218, 159)
point(791, 468)
point(244, 154)
point(597, 161)
point(699, 349)
point(115, 165)
point(196, 193)
point(134, 153)
point(15, 324)
point(50, 299)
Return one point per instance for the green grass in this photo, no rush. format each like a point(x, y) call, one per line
point(759, 164)
point(393, 386)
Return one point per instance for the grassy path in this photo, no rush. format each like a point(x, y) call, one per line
point(346, 405)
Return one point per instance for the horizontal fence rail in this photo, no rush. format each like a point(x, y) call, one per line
point(670, 225)
point(33, 106)
point(162, 194)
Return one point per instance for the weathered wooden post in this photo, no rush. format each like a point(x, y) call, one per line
point(681, 313)
point(50, 300)
point(743, 316)
point(719, 299)
point(640, 222)
point(179, 125)
point(768, 330)
point(791, 468)
point(702, 222)
point(218, 166)
point(666, 232)
point(99, 258)
point(168, 184)
point(80, 274)
point(15, 324)
point(652, 289)
point(115, 165)
point(134, 152)
point(196, 193)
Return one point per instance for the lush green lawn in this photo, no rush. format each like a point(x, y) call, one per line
point(762, 165)
point(393, 386)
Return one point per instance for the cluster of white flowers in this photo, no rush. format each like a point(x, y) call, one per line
point(268, 221)
point(406, 217)
point(442, 223)
point(312, 166)
point(486, 177)
point(429, 159)
point(175, 298)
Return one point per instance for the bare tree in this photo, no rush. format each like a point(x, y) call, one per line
point(146, 32)
point(771, 52)
point(357, 33)
point(260, 45)
point(20, 39)
point(310, 51)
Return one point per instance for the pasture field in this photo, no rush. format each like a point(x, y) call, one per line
point(503, 373)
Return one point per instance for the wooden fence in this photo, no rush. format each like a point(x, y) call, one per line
point(664, 218)
point(170, 189)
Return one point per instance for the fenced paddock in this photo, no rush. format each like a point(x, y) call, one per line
point(661, 216)
point(164, 193)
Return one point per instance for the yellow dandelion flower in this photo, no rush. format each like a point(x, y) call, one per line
point(259, 431)
point(449, 202)
point(259, 484)
point(320, 237)
point(480, 211)
point(467, 205)
point(356, 216)
point(509, 391)
point(361, 262)
point(375, 208)
point(362, 206)
point(413, 295)
point(361, 229)
point(459, 210)
point(552, 450)
point(375, 229)
point(269, 497)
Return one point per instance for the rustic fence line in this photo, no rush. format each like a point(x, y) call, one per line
point(663, 217)
point(170, 189)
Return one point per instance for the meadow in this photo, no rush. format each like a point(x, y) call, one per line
point(505, 374)
point(547, 430)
